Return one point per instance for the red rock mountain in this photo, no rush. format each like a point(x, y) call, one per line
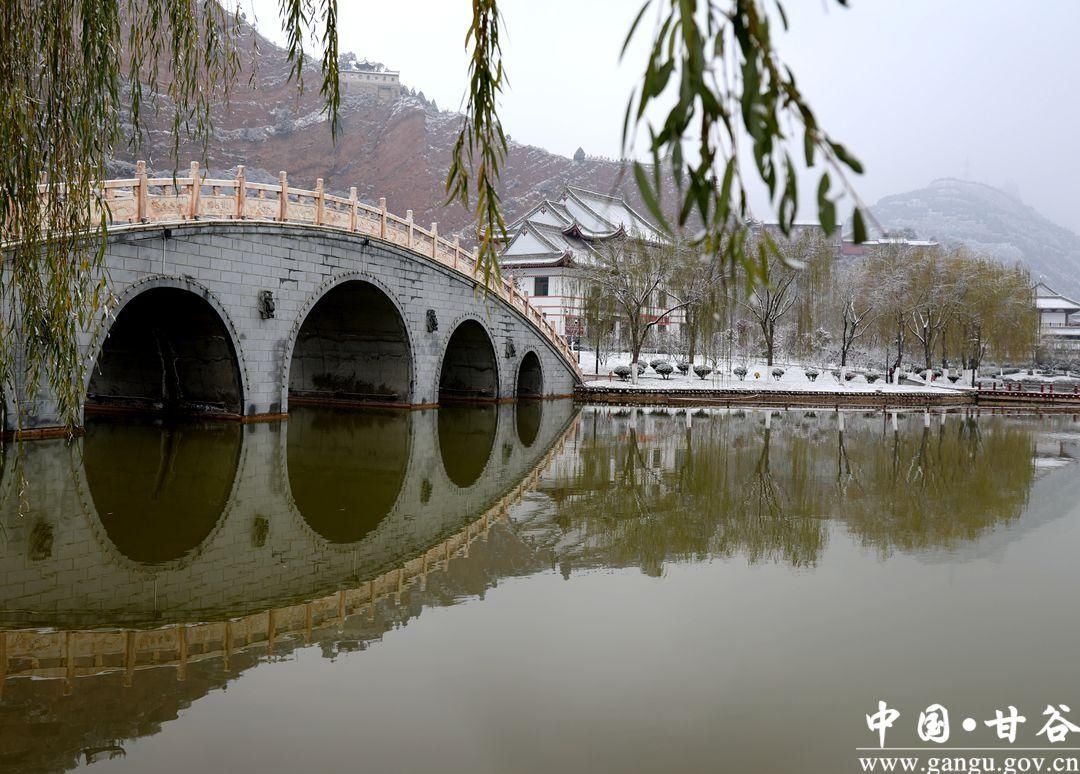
point(398, 149)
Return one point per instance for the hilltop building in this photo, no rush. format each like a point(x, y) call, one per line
point(1059, 319)
point(549, 245)
point(370, 78)
point(849, 248)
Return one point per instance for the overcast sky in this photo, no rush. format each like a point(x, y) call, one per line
point(919, 89)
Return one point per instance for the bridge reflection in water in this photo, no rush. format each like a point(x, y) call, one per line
point(160, 491)
point(347, 469)
point(150, 565)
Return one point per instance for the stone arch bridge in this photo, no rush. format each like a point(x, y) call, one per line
point(234, 299)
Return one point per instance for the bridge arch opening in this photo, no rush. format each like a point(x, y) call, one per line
point(347, 468)
point(470, 371)
point(352, 347)
point(530, 380)
point(168, 352)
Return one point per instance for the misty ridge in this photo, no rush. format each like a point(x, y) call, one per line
point(988, 221)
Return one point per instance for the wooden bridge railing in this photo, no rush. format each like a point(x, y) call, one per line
point(143, 199)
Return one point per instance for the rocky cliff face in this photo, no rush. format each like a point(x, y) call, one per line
point(990, 221)
point(400, 150)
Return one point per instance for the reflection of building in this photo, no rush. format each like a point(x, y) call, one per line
point(552, 241)
point(1059, 319)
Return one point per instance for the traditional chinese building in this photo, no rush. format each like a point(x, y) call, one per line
point(1059, 319)
point(549, 245)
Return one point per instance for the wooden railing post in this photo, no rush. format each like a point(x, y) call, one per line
point(241, 191)
point(69, 663)
point(409, 223)
point(141, 192)
point(354, 204)
point(181, 650)
point(283, 200)
point(435, 241)
point(382, 217)
point(196, 190)
point(129, 658)
point(320, 201)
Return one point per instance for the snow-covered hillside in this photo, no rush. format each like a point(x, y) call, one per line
point(991, 221)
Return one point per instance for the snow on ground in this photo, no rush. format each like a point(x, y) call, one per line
point(794, 379)
point(1024, 376)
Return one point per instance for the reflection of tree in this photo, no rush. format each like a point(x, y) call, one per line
point(943, 490)
point(846, 474)
point(647, 493)
point(762, 492)
point(697, 503)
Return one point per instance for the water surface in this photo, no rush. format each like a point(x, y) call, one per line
point(532, 588)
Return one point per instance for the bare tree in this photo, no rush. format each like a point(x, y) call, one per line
point(774, 298)
point(791, 269)
point(599, 317)
point(767, 305)
point(887, 273)
point(856, 312)
point(933, 300)
point(648, 282)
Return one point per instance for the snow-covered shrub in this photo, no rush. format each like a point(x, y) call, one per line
point(655, 362)
point(683, 367)
point(777, 373)
point(702, 370)
point(849, 376)
point(954, 378)
point(623, 372)
point(739, 371)
point(872, 377)
point(811, 373)
point(640, 368)
point(664, 369)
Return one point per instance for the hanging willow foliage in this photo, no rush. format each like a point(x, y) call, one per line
point(76, 78)
point(480, 149)
point(714, 75)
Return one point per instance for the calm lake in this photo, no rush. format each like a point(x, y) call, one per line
point(533, 588)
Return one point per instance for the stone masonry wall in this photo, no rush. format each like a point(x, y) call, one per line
point(230, 264)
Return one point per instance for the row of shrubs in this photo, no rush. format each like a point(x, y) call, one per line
point(665, 369)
